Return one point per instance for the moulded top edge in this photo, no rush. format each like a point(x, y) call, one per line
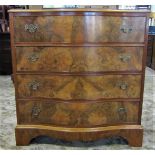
point(77, 10)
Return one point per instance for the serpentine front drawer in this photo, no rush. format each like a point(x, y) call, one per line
point(77, 114)
point(79, 29)
point(79, 87)
point(79, 59)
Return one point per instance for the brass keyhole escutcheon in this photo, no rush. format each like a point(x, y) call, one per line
point(122, 85)
point(33, 57)
point(126, 29)
point(34, 85)
point(124, 58)
point(122, 113)
point(35, 111)
point(31, 28)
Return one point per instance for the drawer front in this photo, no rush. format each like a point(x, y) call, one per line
point(79, 59)
point(79, 29)
point(77, 114)
point(79, 87)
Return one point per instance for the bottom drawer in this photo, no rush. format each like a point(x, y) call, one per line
point(77, 114)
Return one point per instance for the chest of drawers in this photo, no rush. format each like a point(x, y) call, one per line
point(79, 73)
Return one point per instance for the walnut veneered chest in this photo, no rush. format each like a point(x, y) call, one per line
point(79, 73)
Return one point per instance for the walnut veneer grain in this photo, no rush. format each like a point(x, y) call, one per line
point(79, 73)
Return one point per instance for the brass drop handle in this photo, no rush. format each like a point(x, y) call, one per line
point(126, 29)
point(122, 85)
point(34, 85)
point(124, 58)
point(33, 57)
point(122, 112)
point(31, 28)
point(35, 111)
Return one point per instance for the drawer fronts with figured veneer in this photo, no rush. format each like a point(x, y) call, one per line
point(70, 87)
point(79, 29)
point(79, 73)
point(79, 59)
point(78, 114)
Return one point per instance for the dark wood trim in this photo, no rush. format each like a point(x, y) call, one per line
point(80, 100)
point(143, 67)
point(12, 43)
point(94, 126)
point(113, 44)
point(81, 73)
point(13, 54)
point(132, 133)
point(81, 13)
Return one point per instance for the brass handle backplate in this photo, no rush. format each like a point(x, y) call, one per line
point(35, 111)
point(31, 28)
point(122, 113)
point(122, 85)
point(34, 85)
point(126, 29)
point(124, 58)
point(121, 110)
point(33, 57)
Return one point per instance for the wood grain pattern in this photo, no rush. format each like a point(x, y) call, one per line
point(77, 114)
point(132, 133)
point(79, 59)
point(79, 87)
point(78, 29)
point(82, 83)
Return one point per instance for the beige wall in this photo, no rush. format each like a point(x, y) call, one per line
point(38, 7)
point(35, 7)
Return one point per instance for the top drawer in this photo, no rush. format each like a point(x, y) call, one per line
point(79, 29)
